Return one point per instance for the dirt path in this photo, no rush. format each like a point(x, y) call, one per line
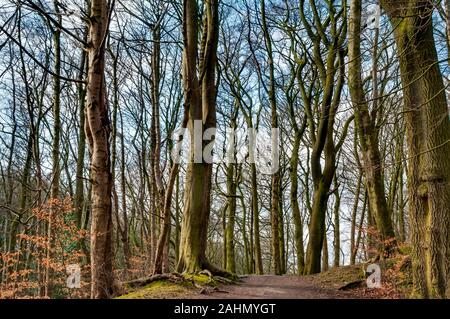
point(276, 287)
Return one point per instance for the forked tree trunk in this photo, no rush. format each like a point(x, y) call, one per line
point(368, 135)
point(200, 101)
point(165, 228)
point(331, 70)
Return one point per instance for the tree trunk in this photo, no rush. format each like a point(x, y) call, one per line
point(56, 168)
point(97, 132)
point(275, 183)
point(368, 136)
point(325, 262)
point(331, 72)
point(353, 225)
point(337, 230)
point(81, 147)
point(298, 224)
point(229, 236)
point(428, 133)
point(200, 101)
point(255, 212)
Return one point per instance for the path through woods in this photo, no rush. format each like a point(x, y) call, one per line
point(277, 287)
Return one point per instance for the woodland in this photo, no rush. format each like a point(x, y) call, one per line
point(108, 107)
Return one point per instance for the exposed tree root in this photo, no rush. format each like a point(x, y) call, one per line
point(215, 276)
point(217, 272)
point(352, 285)
point(172, 277)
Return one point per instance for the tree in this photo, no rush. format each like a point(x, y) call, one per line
point(367, 132)
point(275, 182)
point(428, 135)
point(331, 79)
point(200, 100)
point(97, 133)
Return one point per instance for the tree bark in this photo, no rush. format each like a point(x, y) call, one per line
point(98, 132)
point(368, 136)
point(428, 135)
point(337, 230)
point(229, 236)
point(353, 222)
point(200, 101)
point(331, 75)
point(275, 182)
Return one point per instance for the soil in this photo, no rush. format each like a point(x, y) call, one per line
point(276, 287)
point(337, 283)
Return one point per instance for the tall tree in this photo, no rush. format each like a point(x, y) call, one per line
point(331, 75)
point(200, 101)
point(98, 133)
point(231, 197)
point(275, 181)
point(367, 132)
point(428, 135)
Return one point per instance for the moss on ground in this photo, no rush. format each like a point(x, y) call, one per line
point(161, 289)
point(166, 289)
point(200, 279)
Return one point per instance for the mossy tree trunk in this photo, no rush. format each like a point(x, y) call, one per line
point(325, 262)
point(330, 68)
point(368, 135)
point(298, 223)
point(428, 135)
point(200, 101)
point(231, 217)
point(353, 220)
point(299, 130)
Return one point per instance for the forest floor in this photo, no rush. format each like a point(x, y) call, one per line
point(277, 287)
point(337, 283)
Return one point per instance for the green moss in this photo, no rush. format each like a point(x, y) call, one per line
point(405, 250)
point(160, 290)
point(164, 289)
point(389, 263)
point(200, 279)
